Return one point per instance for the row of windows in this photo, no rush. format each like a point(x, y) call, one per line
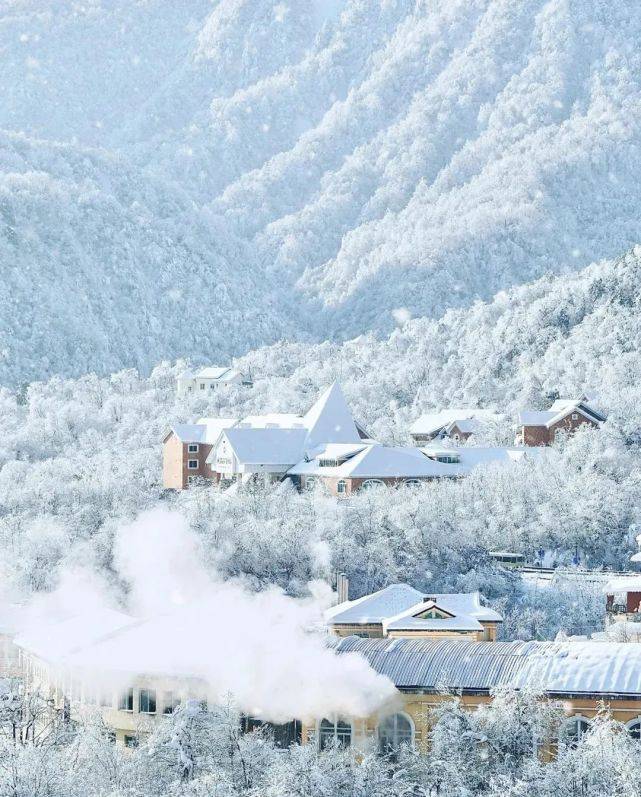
point(397, 730)
point(368, 484)
point(393, 732)
point(147, 703)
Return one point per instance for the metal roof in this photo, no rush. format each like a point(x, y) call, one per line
point(568, 667)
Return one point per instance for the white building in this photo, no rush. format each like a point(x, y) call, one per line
point(270, 445)
point(208, 379)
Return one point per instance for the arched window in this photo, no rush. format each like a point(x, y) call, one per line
point(393, 732)
point(573, 729)
point(341, 487)
point(372, 484)
point(634, 728)
point(412, 482)
point(337, 733)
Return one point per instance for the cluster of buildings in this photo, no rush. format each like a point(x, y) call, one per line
point(428, 645)
point(328, 446)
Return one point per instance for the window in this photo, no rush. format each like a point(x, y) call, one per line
point(575, 416)
point(191, 479)
point(634, 729)
point(573, 729)
point(393, 732)
point(372, 484)
point(341, 487)
point(283, 735)
point(126, 701)
point(412, 483)
point(310, 483)
point(192, 448)
point(147, 701)
point(192, 464)
point(170, 702)
point(337, 733)
point(202, 385)
point(432, 614)
point(131, 741)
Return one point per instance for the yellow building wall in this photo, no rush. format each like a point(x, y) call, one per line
point(419, 708)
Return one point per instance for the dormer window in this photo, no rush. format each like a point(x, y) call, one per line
point(448, 459)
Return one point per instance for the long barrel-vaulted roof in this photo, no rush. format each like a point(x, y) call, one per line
point(557, 668)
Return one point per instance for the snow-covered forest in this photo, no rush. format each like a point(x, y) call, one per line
point(82, 456)
point(300, 168)
point(196, 753)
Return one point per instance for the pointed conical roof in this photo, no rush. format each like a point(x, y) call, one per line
point(330, 419)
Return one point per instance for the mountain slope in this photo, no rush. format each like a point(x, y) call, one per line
point(335, 161)
point(559, 336)
point(101, 269)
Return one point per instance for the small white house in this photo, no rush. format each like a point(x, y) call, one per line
point(207, 379)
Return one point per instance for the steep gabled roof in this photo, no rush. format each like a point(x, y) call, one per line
point(330, 419)
point(559, 410)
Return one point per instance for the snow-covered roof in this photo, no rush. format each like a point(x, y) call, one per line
point(219, 374)
point(378, 461)
point(205, 430)
point(621, 631)
point(330, 419)
point(466, 603)
point(559, 409)
point(411, 623)
point(190, 432)
point(557, 668)
point(401, 600)
point(214, 427)
point(54, 641)
point(282, 420)
point(376, 607)
point(472, 456)
point(339, 451)
point(266, 446)
point(623, 584)
point(432, 423)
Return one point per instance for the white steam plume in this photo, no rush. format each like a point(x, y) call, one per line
point(257, 647)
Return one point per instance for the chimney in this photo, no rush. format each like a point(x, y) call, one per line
point(342, 587)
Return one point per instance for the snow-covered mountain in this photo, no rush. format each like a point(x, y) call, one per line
point(101, 269)
point(362, 157)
